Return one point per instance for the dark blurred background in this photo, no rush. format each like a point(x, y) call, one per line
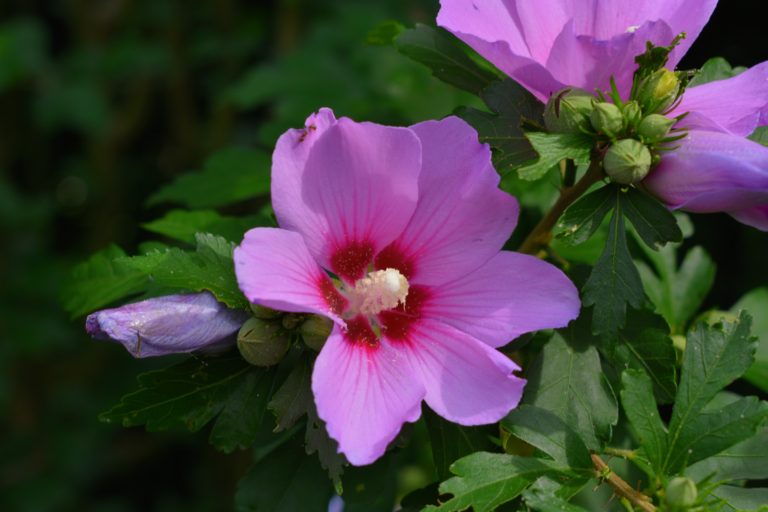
point(103, 101)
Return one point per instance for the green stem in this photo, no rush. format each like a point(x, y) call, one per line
point(542, 233)
point(620, 452)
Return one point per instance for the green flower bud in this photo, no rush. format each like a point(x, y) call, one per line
point(632, 113)
point(658, 91)
point(627, 161)
point(654, 127)
point(262, 343)
point(568, 110)
point(315, 330)
point(607, 119)
point(264, 313)
point(292, 321)
point(681, 493)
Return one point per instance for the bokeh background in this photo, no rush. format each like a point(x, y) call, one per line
point(104, 101)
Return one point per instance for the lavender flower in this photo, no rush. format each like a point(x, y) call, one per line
point(412, 222)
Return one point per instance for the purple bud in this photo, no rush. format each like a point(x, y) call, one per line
point(167, 325)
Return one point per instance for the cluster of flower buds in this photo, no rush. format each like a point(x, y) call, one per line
point(628, 135)
point(265, 338)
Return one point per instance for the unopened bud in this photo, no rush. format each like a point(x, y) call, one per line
point(632, 113)
point(627, 161)
point(607, 119)
point(262, 343)
point(568, 110)
point(654, 127)
point(291, 320)
point(264, 313)
point(315, 330)
point(681, 493)
point(658, 91)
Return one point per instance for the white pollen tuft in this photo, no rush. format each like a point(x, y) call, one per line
point(379, 291)
point(632, 28)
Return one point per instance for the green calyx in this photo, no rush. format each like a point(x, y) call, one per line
point(627, 161)
point(608, 119)
point(568, 111)
point(263, 343)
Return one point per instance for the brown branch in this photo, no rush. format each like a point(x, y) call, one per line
point(620, 487)
point(542, 233)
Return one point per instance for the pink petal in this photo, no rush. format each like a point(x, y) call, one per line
point(711, 172)
point(462, 218)
point(466, 381)
point(735, 104)
point(510, 295)
point(756, 217)
point(353, 194)
point(275, 269)
point(364, 394)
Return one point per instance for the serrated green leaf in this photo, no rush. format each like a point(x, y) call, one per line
point(548, 502)
point(550, 434)
point(644, 344)
point(740, 499)
point(583, 218)
point(286, 480)
point(209, 268)
point(385, 33)
point(487, 480)
point(747, 460)
point(228, 176)
point(756, 303)
point(716, 68)
point(194, 392)
point(654, 223)
point(100, 281)
point(442, 53)
point(714, 357)
point(643, 415)
point(614, 282)
point(554, 147)
point(318, 441)
point(760, 135)
point(567, 380)
point(450, 442)
point(183, 225)
point(294, 397)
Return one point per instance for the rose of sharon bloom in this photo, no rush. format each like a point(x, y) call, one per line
point(411, 222)
point(546, 45)
point(168, 325)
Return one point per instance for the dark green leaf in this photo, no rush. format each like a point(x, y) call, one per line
point(655, 224)
point(739, 499)
point(385, 33)
point(584, 217)
point(550, 434)
point(567, 380)
point(371, 488)
point(714, 357)
point(645, 344)
point(209, 268)
point(760, 135)
point(294, 398)
point(716, 68)
point(445, 56)
point(286, 480)
point(100, 281)
point(643, 415)
point(183, 225)
point(487, 480)
point(416, 500)
point(229, 176)
point(747, 460)
point(318, 441)
point(614, 282)
point(451, 442)
point(195, 391)
point(554, 147)
point(756, 303)
point(541, 501)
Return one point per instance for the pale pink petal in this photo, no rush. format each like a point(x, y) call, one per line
point(462, 218)
point(466, 381)
point(756, 217)
point(711, 172)
point(510, 295)
point(364, 392)
point(275, 269)
point(355, 193)
point(735, 104)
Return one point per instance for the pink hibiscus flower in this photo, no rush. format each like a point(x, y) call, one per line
point(546, 45)
point(411, 222)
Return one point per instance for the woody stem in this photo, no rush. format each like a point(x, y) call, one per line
point(620, 487)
